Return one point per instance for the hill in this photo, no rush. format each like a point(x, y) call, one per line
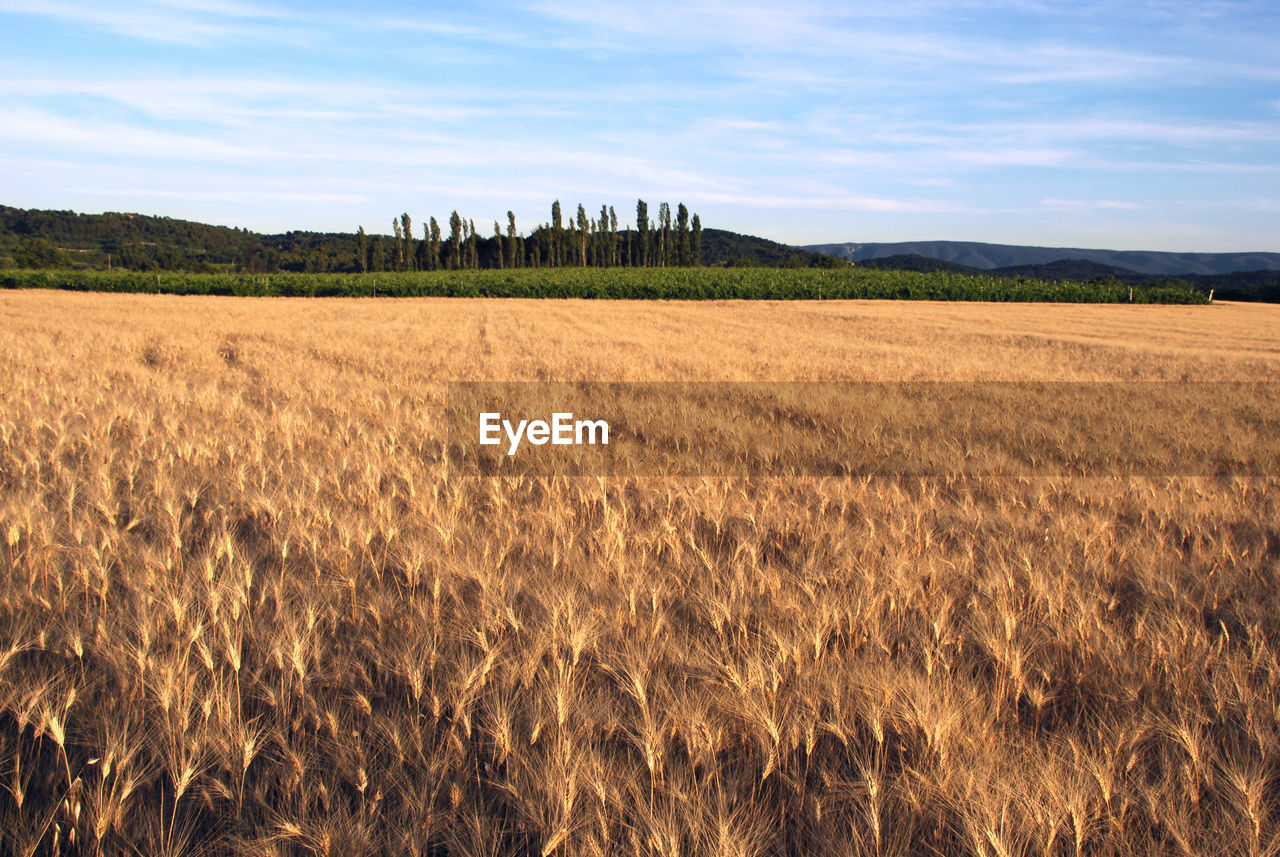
point(1075, 270)
point(1241, 285)
point(994, 256)
point(65, 239)
point(149, 243)
point(724, 248)
point(916, 262)
point(1259, 285)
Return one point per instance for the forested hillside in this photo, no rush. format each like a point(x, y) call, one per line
point(1262, 285)
point(138, 242)
point(721, 247)
point(65, 239)
point(989, 257)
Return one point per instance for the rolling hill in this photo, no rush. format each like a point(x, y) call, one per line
point(992, 256)
point(147, 242)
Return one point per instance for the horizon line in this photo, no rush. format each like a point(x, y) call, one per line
point(631, 225)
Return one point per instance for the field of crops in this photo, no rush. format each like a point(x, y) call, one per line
point(613, 283)
point(247, 609)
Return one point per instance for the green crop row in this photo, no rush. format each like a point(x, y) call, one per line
point(616, 283)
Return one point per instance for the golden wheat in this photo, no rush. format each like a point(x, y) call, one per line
point(244, 611)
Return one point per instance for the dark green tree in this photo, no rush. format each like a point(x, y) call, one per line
point(615, 258)
point(399, 250)
point(406, 228)
point(664, 233)
point(603, 253)
point(582, 233)
point(682, 236)
point(424, 249)
point(695, 242)
point(512, 249)
point(433, 255)
point(37, 253)
point(642, 233)
point(454, 251)
point(556, 233)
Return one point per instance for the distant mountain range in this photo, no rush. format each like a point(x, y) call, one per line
point(989, 257)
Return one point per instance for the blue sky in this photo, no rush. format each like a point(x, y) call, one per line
point(1131, 125)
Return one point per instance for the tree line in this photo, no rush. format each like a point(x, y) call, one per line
point(664, 237)
point(33, 238)
point(584, 241)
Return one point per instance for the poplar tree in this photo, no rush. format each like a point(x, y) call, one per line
point(512, 246)
point(434, 255)
point(362, 250)
point(406, 227)
point(642, 228)
point(682, 235)
point(475, 246)
point(455, 241)
point(603, 253)
point(615, 256)
point(696, 241)
point(395, 225)
point(582, 233)
point(664, 229)
point(555, 233)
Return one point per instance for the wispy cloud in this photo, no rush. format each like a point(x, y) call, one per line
point(1091, 204)
point(247, 196)
point(830, 202)
point(44, 129)
point(175, 21)
point(946, 113)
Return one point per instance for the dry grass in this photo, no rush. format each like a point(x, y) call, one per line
point(242, 612)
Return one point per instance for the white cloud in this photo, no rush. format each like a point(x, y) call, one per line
point(1091, 204)
point(191, 22)
point(1189, 133)
point(41, 129)
point(228, 195)
point(829, 202)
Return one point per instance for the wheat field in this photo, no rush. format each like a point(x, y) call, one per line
point(244, 609)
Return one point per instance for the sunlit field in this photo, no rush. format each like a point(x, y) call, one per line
point(245, 608)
